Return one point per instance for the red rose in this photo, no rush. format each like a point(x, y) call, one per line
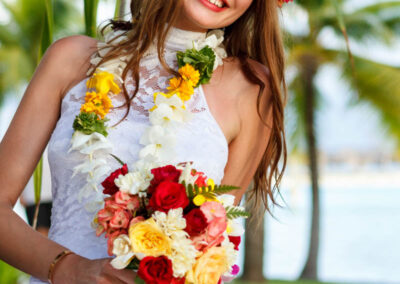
point(235, 241)
point(109, 184)
point(156, 270)
point(169, 195)
point(196, 222)
point(178, 280)
point(167, 173)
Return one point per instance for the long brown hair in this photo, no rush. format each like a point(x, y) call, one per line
point(255, 35)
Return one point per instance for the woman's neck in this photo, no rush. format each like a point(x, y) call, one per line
point(184, 23)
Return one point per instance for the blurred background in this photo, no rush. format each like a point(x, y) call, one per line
point(340, 195)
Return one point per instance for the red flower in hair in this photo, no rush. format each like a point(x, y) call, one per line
point(280, 2)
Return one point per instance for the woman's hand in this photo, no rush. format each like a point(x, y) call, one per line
point(79, 270)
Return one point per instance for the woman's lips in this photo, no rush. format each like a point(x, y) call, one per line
point(213, 7)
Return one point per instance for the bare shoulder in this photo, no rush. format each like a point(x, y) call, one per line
point(247, 91)
point(68, 59)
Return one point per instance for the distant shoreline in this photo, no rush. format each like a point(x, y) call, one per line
point(387, 176)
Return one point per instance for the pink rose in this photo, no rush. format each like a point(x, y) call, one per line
point(217, 224)
point(120, 219)
point(127, 201)
point(212, 210)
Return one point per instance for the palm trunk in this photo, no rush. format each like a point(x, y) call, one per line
point(254, 245)
point(309, 67)
point(120, 9)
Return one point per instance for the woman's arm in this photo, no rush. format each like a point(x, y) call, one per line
point(248, 146)
point(64, 64)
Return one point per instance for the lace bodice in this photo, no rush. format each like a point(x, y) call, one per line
point(200, 140)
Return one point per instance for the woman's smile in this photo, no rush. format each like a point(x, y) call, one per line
point(215, 5)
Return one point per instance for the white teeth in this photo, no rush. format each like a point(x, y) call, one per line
point(217, 3)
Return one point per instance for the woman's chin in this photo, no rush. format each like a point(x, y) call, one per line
point(205, 15)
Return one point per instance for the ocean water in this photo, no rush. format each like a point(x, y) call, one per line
point(360, 234)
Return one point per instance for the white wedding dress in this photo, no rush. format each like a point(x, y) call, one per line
point(200, 140)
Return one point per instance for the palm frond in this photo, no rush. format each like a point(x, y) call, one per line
point(378, 85)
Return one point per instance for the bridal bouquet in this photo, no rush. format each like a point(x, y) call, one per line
point(183, 230)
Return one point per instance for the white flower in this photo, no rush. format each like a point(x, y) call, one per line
point(231, 253)
point(133, 182)
point(172, 223)
point(122, 250)
point(168, 109)
point(89, 166)
point(87, 144)
point(226, 199)
point(158, 143)
point(234, 228)
point(163, 115)
point(214, 40)
point(186, 174)
point(183, 256)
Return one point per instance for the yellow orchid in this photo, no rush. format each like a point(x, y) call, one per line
point(184, 89)
point(103, 82)
point(201, 198)
point(97, 103)
point(188, 73)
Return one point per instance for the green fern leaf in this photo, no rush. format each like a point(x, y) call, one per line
point(235, 212)
point(221, 189)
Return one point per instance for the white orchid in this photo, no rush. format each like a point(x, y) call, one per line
point(158, 143)
point(226, 199)
point(177, 111)
point(234, 229)
point(87, 144)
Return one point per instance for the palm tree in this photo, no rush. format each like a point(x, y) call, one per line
point(374, 83)
point(254, 242)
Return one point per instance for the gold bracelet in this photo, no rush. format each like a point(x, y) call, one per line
point(54, 262)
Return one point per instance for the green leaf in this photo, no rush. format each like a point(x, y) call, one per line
point(47, 31)
point(221, 189)
point(139, 280)
point(37, 180)
point(90, 9)
point(202, 60)
point(235, 212)
point(134, 264)
point(118, 159)
point(89, 122)
point(46, 40)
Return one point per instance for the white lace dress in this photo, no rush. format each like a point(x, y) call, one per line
point(200, 140)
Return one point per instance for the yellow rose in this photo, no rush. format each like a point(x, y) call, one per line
point(209, 267)
point(147, 238)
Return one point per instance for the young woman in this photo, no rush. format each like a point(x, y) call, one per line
point(236, 136)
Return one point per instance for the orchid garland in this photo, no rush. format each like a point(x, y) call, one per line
point(90, 136)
